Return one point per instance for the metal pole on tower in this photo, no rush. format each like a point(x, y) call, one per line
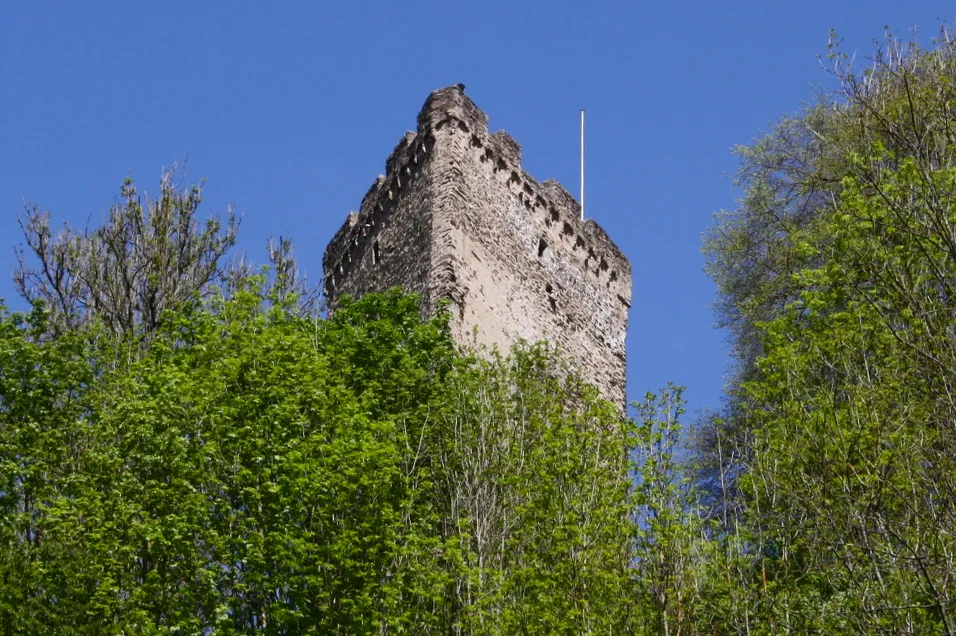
point(582, 164)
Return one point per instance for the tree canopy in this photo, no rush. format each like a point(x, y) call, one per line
point(836, 279)
point(257, 470)
point(188, 446)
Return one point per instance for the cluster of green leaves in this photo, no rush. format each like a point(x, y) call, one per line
point(237, 465)
point(836, 278)
point(145, 258)
point(256, 470)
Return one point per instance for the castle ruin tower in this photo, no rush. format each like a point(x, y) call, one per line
point(456, 217)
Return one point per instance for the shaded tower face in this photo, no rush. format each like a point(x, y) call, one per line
point(456, 217)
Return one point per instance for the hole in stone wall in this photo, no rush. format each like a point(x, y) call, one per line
point(603, 265)
point(502, 165)
point(567, 229)
point(548, 288)
point(613, 275)
point(376, 255)
point(542, 247)
point(554, 215)
point(579, 243)
point(462, 126)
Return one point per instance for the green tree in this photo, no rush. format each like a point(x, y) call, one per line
point(534, 488)
point(142, 260)
point(668, 529)
point(836, 275)
point(257, 470)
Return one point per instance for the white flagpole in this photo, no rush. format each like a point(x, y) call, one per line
point(582, 164)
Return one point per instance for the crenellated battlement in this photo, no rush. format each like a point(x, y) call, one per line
point(361, 228)
point(451, 105)
point(456, 216)
point(550, 201)
point(557, 208)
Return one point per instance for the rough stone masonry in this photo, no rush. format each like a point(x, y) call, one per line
point(456, 217)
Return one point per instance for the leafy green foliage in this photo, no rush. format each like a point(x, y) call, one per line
point(669, 531)
point(535, 480)
point(232, 464)
point(837, 276)
point(257, 470)
point(143, 259)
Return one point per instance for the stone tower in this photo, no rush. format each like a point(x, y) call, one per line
point(456, 217)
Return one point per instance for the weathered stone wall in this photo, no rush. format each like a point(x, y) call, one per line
point(387, 243)
point(510, 253)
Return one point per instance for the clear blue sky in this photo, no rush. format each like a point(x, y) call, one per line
point(289, 109)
